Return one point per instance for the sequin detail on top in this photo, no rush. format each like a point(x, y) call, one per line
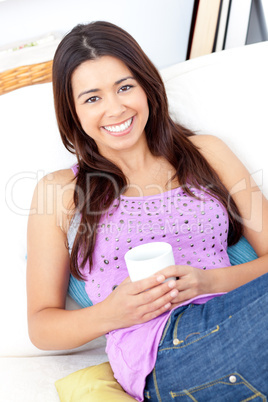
point(197, 229)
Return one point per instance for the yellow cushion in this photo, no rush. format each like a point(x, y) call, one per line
point(94, 384)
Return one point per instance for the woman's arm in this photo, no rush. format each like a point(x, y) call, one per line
point(253, 208)
point(50, 325)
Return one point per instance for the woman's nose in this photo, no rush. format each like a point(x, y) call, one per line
point(114, 106)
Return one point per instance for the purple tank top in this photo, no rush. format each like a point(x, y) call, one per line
point(197, 229)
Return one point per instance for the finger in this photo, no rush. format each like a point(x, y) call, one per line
point(147, 283)
point(156, 293)
point(159, 295)
point(172, 270)
point(159, 306)
point(182, 297)
point(178, 271)
point(152, 302)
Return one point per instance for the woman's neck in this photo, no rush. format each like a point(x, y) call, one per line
point(152, 177)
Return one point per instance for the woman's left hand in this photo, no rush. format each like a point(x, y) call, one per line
point(190, 282)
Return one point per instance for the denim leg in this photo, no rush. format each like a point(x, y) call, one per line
point(217, 351)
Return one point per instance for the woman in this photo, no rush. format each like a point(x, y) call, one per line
point(139, 178)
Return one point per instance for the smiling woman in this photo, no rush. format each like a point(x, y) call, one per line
point(141, 177)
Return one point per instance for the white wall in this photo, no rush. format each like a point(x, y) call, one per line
point(160, 26)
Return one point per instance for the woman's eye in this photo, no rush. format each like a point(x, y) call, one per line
point(93, 99)
point(125, 88)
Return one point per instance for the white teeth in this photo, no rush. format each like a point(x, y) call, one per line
point(120, 127)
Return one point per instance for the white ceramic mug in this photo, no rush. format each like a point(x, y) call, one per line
point(145, 260)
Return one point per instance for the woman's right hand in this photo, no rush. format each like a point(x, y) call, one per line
point(137, 302)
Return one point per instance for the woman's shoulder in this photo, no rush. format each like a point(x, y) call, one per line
point(61, 177)
point(222, 159)
point(215, 150)
point(206, 142)
point(53, 196)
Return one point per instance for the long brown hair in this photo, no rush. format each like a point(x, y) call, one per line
point(165, 138)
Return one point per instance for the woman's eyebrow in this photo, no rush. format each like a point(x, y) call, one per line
point(97, 89)
point(124, 79)
point(87, 92)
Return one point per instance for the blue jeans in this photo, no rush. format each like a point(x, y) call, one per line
point(217, 351)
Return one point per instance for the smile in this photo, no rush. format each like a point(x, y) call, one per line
point(120, 127)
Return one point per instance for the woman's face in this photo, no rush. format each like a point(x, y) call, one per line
point(111, 105)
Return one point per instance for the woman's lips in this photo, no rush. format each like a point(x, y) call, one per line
point(119, 129)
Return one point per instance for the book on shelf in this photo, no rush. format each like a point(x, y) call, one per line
point(238, 23)
point(222, 25)
point(258, 22)
point(204, 26)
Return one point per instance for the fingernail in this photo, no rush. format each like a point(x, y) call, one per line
point(174, 293)
point(160, 278)
point(171, 284)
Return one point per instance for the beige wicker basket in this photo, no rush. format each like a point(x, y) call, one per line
point(25, 75)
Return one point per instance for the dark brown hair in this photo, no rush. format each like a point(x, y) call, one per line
point(165, 137)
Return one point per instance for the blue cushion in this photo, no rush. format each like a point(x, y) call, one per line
point(238, 254)
point(241, 252)
point(77, 292)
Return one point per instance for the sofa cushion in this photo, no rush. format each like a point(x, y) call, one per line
point(225, 94)
point(94, 384)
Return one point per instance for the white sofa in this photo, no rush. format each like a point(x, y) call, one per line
point(225, 94)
